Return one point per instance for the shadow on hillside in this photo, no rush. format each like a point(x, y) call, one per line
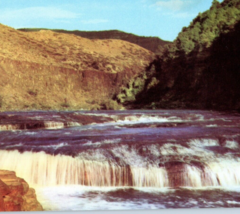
point(223, 73)
point(206, 80)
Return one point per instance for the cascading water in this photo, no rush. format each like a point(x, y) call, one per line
point(41, 169)
point(148, 151)
point(45, 170)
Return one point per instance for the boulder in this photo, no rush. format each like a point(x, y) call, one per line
point(15, 194)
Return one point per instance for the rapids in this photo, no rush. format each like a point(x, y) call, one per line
point(125, 159)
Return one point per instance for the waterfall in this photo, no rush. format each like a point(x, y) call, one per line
point(221, 173)
point(151, 177)
point(41, 169)
point(53, 125)
point(5, 127)
point(40, 124)
point(226, 172)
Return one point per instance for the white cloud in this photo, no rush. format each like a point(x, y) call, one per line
point(173, 5)
point(50, 13)
point(94, 21)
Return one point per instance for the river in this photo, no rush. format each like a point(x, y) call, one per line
point(122, 160)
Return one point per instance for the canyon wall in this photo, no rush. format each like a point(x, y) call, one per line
point(48, 70)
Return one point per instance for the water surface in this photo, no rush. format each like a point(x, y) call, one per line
point(125, 159)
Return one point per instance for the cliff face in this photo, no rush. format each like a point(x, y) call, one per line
point(48, 70)
point(15, 194)
point(201, 69)
point(153, 44)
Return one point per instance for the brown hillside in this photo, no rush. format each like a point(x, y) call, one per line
point(48, 70)
point(153, 44)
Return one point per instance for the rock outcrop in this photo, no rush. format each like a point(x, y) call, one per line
point(15, 194)
point(48, 70)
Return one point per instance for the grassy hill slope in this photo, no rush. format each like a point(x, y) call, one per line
point(153, 44)
point(49, 70)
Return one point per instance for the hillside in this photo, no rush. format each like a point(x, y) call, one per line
point(201, 69)
point(153, 44)
point(49, 70)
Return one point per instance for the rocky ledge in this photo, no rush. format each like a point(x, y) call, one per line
point(15, 194)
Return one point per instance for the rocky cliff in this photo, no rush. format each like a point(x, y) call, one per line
point(201, 69)
point(48, 70)
point(153, 44)
point(15, 194)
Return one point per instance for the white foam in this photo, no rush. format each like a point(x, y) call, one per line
point(94, 114)
point(199, 117)
point(203, 142)
point(154, 149)
point(57, 146)
point(176, 150)
point(233, 202)
point(212, 125)
point(70, 124)
point(36, 117)
point(7, 127)
point(14, 145)
point(77, 198)
point(67, 133)
point(231, 144)
point(53, 125)
point(109, 141)
point(147, 119)
point(130, 156)
point(30, 133)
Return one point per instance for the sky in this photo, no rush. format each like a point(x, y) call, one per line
point(161, 18)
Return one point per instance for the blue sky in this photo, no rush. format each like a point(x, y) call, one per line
point(162, 18)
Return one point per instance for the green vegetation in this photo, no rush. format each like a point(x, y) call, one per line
point(201, 68)
point(207, 26)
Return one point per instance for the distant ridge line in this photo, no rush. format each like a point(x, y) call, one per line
point(153, 44)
